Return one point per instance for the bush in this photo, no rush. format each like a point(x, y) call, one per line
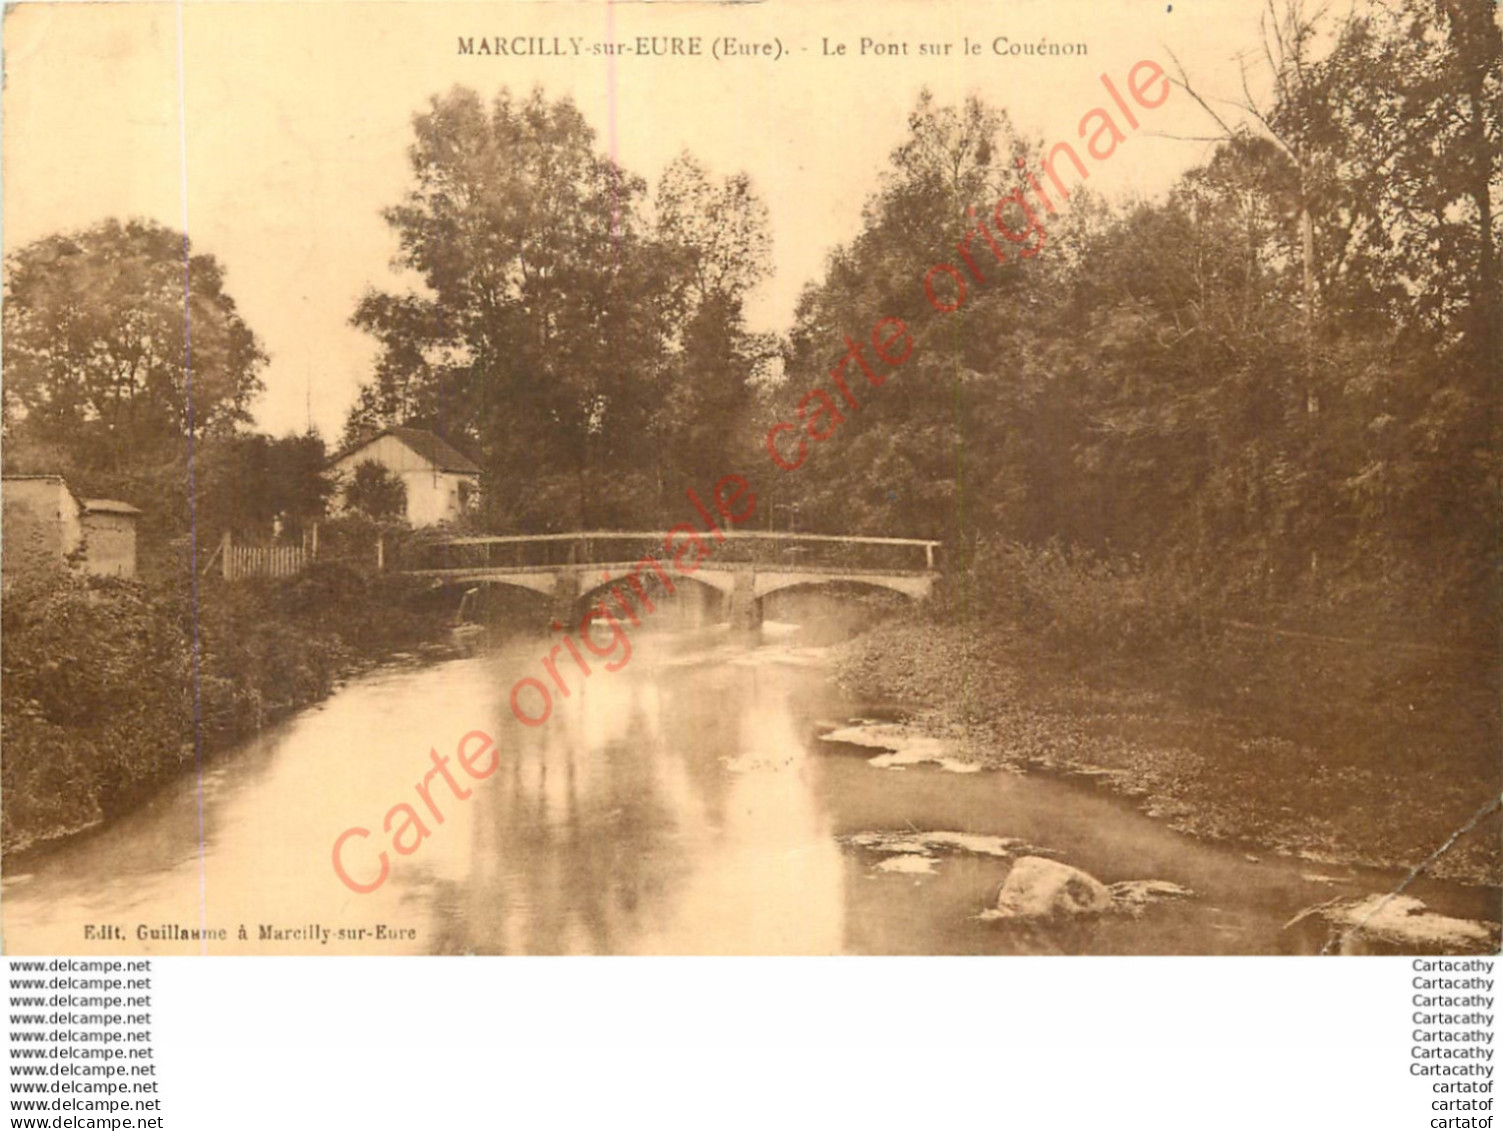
point(1079, 600)
point(376, 492)
point(96, 699)
point(48, 777)
point(99, 693)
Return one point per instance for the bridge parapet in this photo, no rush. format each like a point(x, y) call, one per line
point(615, 548)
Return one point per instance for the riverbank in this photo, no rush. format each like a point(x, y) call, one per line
point(112, 687)
point(1265, 766)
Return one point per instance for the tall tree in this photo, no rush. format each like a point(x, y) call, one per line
point(530, 339)
point(97, 345)
point(575, 342)
point(1414, 145)
point(905, 466)
point(712, 245)
point(249, 481)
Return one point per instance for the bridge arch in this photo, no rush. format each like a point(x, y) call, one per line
point(543, 583)
point(479, 600)
point(706, 585)
point(915, 587)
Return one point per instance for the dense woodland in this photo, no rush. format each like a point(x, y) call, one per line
point(1278, 387)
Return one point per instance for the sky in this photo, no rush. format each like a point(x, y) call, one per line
point(275, 133)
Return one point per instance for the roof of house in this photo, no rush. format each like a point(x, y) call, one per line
point(109, 506)
point(50, 477)
point(431, 447)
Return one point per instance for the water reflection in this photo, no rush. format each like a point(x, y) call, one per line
point(665, 809)
point(681, 805)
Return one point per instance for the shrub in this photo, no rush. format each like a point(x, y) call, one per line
point(1079, 600)
point(101, 692)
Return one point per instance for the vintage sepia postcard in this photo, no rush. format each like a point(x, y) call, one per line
point(815, 478)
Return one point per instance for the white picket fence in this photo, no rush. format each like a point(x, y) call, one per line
point(263, 561)
point(237, 562)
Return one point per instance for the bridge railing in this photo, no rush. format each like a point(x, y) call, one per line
point(764, 549)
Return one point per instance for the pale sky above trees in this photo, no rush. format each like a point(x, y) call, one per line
point(295, 121)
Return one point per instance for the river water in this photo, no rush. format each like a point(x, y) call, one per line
point(687, 803)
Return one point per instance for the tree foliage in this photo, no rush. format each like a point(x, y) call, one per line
point(561, 324)
point(118, 340)
point(1163, 387)
point(250, 481)
point(376, 492)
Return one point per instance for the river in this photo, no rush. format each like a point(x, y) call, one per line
point(690, 802)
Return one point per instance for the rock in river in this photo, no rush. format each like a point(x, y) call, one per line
point(1037, 888)
point(1400, 921)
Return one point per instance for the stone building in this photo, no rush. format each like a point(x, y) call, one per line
point(43, 526)
point(109, 530)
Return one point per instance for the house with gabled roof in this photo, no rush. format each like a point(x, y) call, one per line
point(442, 482)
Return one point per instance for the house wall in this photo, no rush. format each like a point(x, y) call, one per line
point(111, 543)
point(41, 525)
point(432, 496)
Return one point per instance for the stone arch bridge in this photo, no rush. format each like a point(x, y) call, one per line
point(745, 567)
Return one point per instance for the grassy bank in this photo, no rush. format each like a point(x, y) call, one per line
point(1299, 746)
point(103, 699)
